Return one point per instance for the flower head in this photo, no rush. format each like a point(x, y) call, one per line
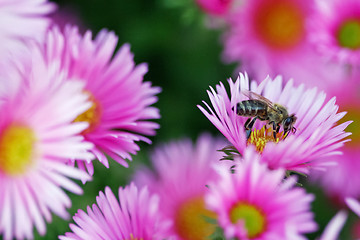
point(335, 30)
point(270, 37)
point(316, 136)
point(134, 216)
point(343, 179)
point(257, 203)
point(37, 137)
point(215, 7)
point(182, 171)
point(121, 100)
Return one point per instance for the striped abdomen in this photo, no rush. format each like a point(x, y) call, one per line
point(252, 108)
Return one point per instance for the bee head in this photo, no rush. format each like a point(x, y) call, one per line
point(288, 124)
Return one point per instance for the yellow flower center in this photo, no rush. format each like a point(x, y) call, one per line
point(353, 114)
point(348, 34)
point(133, 238)
point(192, 220)
point(92, 115)
point(259, 138)
point(16, 149)
point(279, 24)
point(253, 218)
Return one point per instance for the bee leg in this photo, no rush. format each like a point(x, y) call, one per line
point(249, 125)
point(275, 128)
point(247, 130)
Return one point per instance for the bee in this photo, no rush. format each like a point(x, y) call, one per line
point(259, 107)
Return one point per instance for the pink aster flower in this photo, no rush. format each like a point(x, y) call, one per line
point(215, 7)
point(134, 216)
point(37, 137)
point(182, 171)
point(23, 19)
point(257, 203)
point(270, 37)
point(343, 179)
point(335, 30)
point(316, 138)
point(121, 100)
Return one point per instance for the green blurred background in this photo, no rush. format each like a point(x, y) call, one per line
point(184, 58)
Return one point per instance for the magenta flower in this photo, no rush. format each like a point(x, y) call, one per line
point(316, 137)
point(343, 179)
point(121, 100)
point(215, 7)
point(37, 137)
point(258, 36)
point(270, 37)
point(257, 203)
point(134, 216)
point(182, 171)
point(335, 30)
point(23, 19)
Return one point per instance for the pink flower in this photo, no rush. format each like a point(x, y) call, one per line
point(316, 137)
point(270, 37)
point(215, 7)
point(134, 216)
point(343, 179)
point(335, 30)
point(22, 19)
point(121, 100)
point(37, 137)
point(257, 203)
point(182, 171)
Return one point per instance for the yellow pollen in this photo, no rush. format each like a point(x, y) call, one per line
point(133, 238)
point(259, 138)
point(254, 218)
point(92, 115)
point(192, 220)
point(280, 24)
point(16, 149)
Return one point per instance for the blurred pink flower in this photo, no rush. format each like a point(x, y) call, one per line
point(270, 37)
point(134, 216)
point(215, 7)
point(343, 179)
point(121, 100)
point(182, 171)
point(335, 30)
point(316, 138)
point(23, 19)
point(257, 203)
point(37, 137)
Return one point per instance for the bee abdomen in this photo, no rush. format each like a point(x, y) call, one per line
point(251, 108)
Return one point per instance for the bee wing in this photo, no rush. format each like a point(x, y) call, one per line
point(253, 95)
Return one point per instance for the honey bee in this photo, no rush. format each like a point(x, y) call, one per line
point(259, 107)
